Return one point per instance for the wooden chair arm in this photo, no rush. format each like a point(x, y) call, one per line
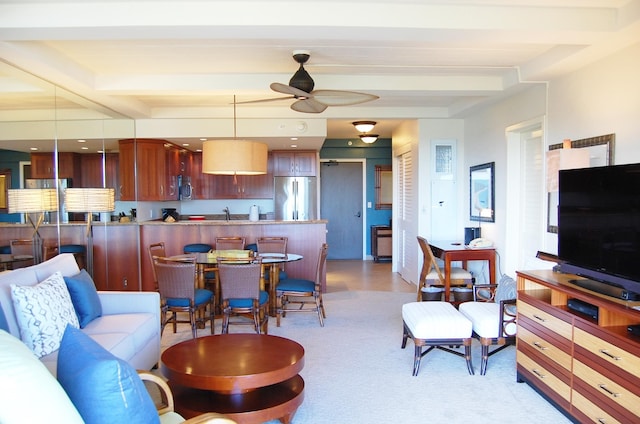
point(166, 396)
point(479, 292)
point(508, 316)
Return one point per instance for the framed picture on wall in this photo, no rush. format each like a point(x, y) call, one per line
point(481, 192)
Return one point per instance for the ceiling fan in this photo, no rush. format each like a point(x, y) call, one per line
point(309, 100)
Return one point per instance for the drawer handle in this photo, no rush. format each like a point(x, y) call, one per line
point(539, 318)
point(604, 388)
point(615, 358)
point(539, 346)
point(538, 373)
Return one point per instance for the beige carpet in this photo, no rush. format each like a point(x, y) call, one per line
point(356, 372)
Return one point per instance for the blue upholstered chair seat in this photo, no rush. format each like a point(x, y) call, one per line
point(296, 284)
point(247, 303)
point(197, 248)
point(202, 296)
point(72, 248)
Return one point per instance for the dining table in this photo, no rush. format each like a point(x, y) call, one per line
point(7, 260)
point(270, 261)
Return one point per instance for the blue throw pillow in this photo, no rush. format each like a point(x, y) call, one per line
point(103, 388)
point(84, 297)
point(4, 325)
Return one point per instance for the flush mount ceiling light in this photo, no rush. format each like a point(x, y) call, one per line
point(364, 126)
point(234, 157)
point(368, 138)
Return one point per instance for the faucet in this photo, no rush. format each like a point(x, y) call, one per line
point(227, 213)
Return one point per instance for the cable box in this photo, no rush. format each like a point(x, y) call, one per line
point(583, 307)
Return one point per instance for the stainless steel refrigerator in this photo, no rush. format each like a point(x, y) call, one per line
point(52, 217)
point(296, 198)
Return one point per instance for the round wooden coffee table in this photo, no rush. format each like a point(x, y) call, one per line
point(251, 378)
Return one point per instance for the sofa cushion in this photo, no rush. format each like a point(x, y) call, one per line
point(30, 393)
point(43, 312)
point(84, 297)
point(104, 389)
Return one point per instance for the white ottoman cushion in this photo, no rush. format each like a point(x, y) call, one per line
point(485, 317)
point(435, 320)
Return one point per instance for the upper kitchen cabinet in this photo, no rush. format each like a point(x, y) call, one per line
point(43, 166)
point(92, 170)
point(152, 166)
point(207, 186)
point(289, 163)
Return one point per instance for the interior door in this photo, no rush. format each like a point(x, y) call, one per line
point(341, 191)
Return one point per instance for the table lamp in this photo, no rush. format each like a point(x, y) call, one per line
point(33, 200)
point(90, 200)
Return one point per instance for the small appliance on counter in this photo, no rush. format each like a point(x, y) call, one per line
point(254, 213)
point(170, 215)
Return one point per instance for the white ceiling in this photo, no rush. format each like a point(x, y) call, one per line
point(188, 59)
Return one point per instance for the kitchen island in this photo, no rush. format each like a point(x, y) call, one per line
point(121, 261)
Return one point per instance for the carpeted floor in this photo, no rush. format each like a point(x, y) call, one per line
point(356, 372)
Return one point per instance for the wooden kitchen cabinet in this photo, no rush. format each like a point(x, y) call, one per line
point(588, 366)
point(92, 167)
point(207, 186)
point(289, 163)
point(149, 170)
point(115, 257)
point(43, 166)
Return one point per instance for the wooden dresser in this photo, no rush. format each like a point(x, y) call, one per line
point(587, 366)
point(381, 247)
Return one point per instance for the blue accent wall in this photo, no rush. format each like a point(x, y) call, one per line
point(10, 159)
point(378, 153)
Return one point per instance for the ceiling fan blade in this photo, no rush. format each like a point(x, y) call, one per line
point(341, 97)
point(287, 89)
point(308, 106)
point(273, 99)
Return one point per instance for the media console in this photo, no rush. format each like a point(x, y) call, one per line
point(587, 366)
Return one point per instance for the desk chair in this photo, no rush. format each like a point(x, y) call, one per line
point(230, 243)
point(432, 275)
point(241, 294)
point(294, 291)
point(178, 293)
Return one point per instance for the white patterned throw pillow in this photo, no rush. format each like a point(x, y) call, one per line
point(43, 312)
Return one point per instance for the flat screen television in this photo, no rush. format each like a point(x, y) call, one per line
point(599, 225)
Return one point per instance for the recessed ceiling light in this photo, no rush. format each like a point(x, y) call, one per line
point(203, 139)
point(185, 144)
point(84, 148)
point(198, 150)
point(293, 146)
point(33, 148)
point(82, 141)
point(294, 138)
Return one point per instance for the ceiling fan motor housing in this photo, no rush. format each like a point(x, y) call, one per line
point(301, 79)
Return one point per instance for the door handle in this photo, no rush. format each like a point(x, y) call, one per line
point(357, 215)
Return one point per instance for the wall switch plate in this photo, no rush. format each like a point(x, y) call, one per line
point(369, 205)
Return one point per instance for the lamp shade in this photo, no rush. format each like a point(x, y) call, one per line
point(234, 157)
point(90, 199)
point(364, 126)
point(32, 200)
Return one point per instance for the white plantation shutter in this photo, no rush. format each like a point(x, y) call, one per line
point(407, 245)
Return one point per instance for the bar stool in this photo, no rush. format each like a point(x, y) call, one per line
point(79, 252)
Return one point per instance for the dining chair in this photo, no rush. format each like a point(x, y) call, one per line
point(273, 245)
point(241, 294)
point(431, 274)
point(178, 293)
point(210, 278)
point(230, 243)
point(22, 248)
point(155, 250)
point(298, 291)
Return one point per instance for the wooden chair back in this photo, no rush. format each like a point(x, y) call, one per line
point(156, 249)
point(239, 279)
point(230, 243)
point(176, 279)
point(272, 245)
point(22, 248)
point(429, 261)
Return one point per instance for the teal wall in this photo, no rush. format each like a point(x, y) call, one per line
point(378, 153)
point(10, 159)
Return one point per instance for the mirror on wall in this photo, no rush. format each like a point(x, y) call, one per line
point(383, 187)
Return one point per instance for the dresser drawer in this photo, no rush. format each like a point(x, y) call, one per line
point(544, 347)
point(609, 392)
point(546, 319)
point(609, 352)
point(544, 376)
point(590, 411)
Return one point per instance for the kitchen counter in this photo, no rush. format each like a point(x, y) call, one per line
point(233, 222)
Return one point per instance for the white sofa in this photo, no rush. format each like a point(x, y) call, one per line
point(129, 327)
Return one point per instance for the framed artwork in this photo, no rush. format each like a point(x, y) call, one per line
point(481, 192)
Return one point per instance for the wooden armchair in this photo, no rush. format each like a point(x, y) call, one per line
point(493, 315)
point(165, 404)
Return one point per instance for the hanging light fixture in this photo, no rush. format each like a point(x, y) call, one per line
point(234, 157)
point(364, 127)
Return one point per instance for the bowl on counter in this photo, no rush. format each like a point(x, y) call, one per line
point(196, 217)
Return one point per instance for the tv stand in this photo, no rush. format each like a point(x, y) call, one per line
point(587, 366)
point(604, 288)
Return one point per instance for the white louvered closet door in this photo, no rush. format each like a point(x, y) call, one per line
point(407, 245)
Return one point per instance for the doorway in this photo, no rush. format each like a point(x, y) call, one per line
point(341, 191)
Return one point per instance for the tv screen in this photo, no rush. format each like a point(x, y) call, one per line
point(599, 223)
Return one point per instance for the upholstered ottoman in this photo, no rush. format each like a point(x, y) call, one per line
point(435, 324)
